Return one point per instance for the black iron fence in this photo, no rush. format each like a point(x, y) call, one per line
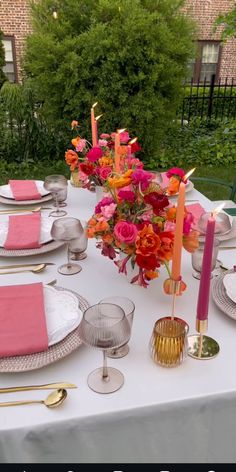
point(216, 99)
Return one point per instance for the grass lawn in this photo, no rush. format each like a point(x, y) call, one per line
point(40, 170)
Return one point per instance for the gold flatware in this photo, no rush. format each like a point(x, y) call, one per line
point(53, 400)
point(53, 282)
point(23, 388)
point(35, 270)
point(23, 210)
point(227, 247)
point(21, 266)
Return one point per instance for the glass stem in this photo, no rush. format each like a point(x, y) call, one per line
point(104, 367)
point(57, 202)
point(68, 257)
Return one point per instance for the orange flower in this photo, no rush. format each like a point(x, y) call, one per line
point(173, 186)
point(147, 242)
point(122, 150)
point(74, 123)
point(151, 274)
point(101, 226)
point(71, 158)
point(121, 180)
point(171, 214)
point(107, 238)
point(165, 252)
point(105, 161)
point(190, 241)
point(90, 232)
point(75, 141)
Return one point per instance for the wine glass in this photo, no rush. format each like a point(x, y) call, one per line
point(55, 184)
point(78, 246)
point(67, 230)
point(104, 326)
point(197, 258)
point(61, 198)
point(128, 306)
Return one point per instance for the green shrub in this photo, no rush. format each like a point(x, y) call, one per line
point(2, 61)
point(130, 56)
point(200, 143)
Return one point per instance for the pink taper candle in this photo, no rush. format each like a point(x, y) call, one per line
point(204, 289)
point(94, 126)
point(178, 239)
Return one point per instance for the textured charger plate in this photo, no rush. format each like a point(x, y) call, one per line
point(229, 235)
point(53, 354)
point(12, 202)
point(220, 296)
point(51, 246)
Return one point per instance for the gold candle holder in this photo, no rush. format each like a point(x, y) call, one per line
point(201, 346)
point(169, 343)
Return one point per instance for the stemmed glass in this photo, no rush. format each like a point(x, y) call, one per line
point(104, 326)
point(67, 230)
point(128, 306)
point(197, 258)
point(61, 198)
point(78, 246)
point(55, 184)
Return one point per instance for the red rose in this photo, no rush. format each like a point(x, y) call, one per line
point(147, 262)
point(87, 168)
point(158, 201)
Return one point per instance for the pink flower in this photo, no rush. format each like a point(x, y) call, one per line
point(175, 171)
point(125, 232)
point(94, 154)
point(188, 220)
point(169, 226)
point(81, 145)
point(147, 216)
point(102, 142)
point(108, 210)
point(124, 137)
point(82, 176)
point(136, 163)
point(104, 172)
point(104, 136)
point(127, 195)
point(105, 201)
point(142, 177)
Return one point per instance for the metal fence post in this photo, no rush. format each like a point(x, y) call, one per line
point(211, 95)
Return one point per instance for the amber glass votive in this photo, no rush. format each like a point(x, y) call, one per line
point(169, 343)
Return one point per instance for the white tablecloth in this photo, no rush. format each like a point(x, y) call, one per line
point(184, 414)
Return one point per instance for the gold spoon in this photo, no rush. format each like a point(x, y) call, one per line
point(53, 400)
point(35, 270)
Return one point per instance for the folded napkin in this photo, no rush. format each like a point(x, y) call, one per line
point(196, 209)
point(24, 190)
point(23, 231)
point(22, 320)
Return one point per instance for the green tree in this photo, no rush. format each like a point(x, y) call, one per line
point(2, 60)
point(129, 55)
point(228, 21)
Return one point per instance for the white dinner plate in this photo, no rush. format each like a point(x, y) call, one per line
point(62, 313)
point(229, 282)
point(5, 190)
point(45, 235)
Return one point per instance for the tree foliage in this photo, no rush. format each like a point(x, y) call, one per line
point(129, 55)
point(228, 21)
point(2, 60)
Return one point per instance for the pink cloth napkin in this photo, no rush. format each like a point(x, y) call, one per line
point(24, 190)
point(22, 320)
point(165, 179)
point(23, 232)
point(196, 209)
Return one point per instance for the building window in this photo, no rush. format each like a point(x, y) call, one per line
point(10, 59)
point(208, 61)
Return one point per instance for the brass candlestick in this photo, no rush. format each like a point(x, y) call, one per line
point(201, 346)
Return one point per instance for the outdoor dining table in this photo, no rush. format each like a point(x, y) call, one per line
point(181, 414)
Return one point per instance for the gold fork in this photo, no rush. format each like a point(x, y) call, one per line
point(23, 210)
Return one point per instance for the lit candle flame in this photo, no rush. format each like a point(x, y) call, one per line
point(133, 141)
point(55, 14)
point(186, 176)
point(94, 105)
point(97, 117)
point(121, 130)
point(217, 210)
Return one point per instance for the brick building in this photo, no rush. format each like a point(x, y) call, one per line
point(212, 55)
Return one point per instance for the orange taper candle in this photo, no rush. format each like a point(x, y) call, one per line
point(93, 126)
point(117, 155)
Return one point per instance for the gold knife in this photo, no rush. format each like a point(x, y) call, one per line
point(20, 266)
point(23, 388)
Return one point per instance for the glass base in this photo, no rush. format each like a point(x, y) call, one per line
point(119, 352)
point(216, 271)
point(109, 384)
point(61, 204)
point(78, 256)
point(70, 269)
point(58, 213)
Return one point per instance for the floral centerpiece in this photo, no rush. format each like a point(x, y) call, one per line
point(175, 176)
point(95, 164)
point(137, 221)
point(73, 156)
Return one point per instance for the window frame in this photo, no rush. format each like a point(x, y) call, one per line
point(13, 43)
point(198, 62)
